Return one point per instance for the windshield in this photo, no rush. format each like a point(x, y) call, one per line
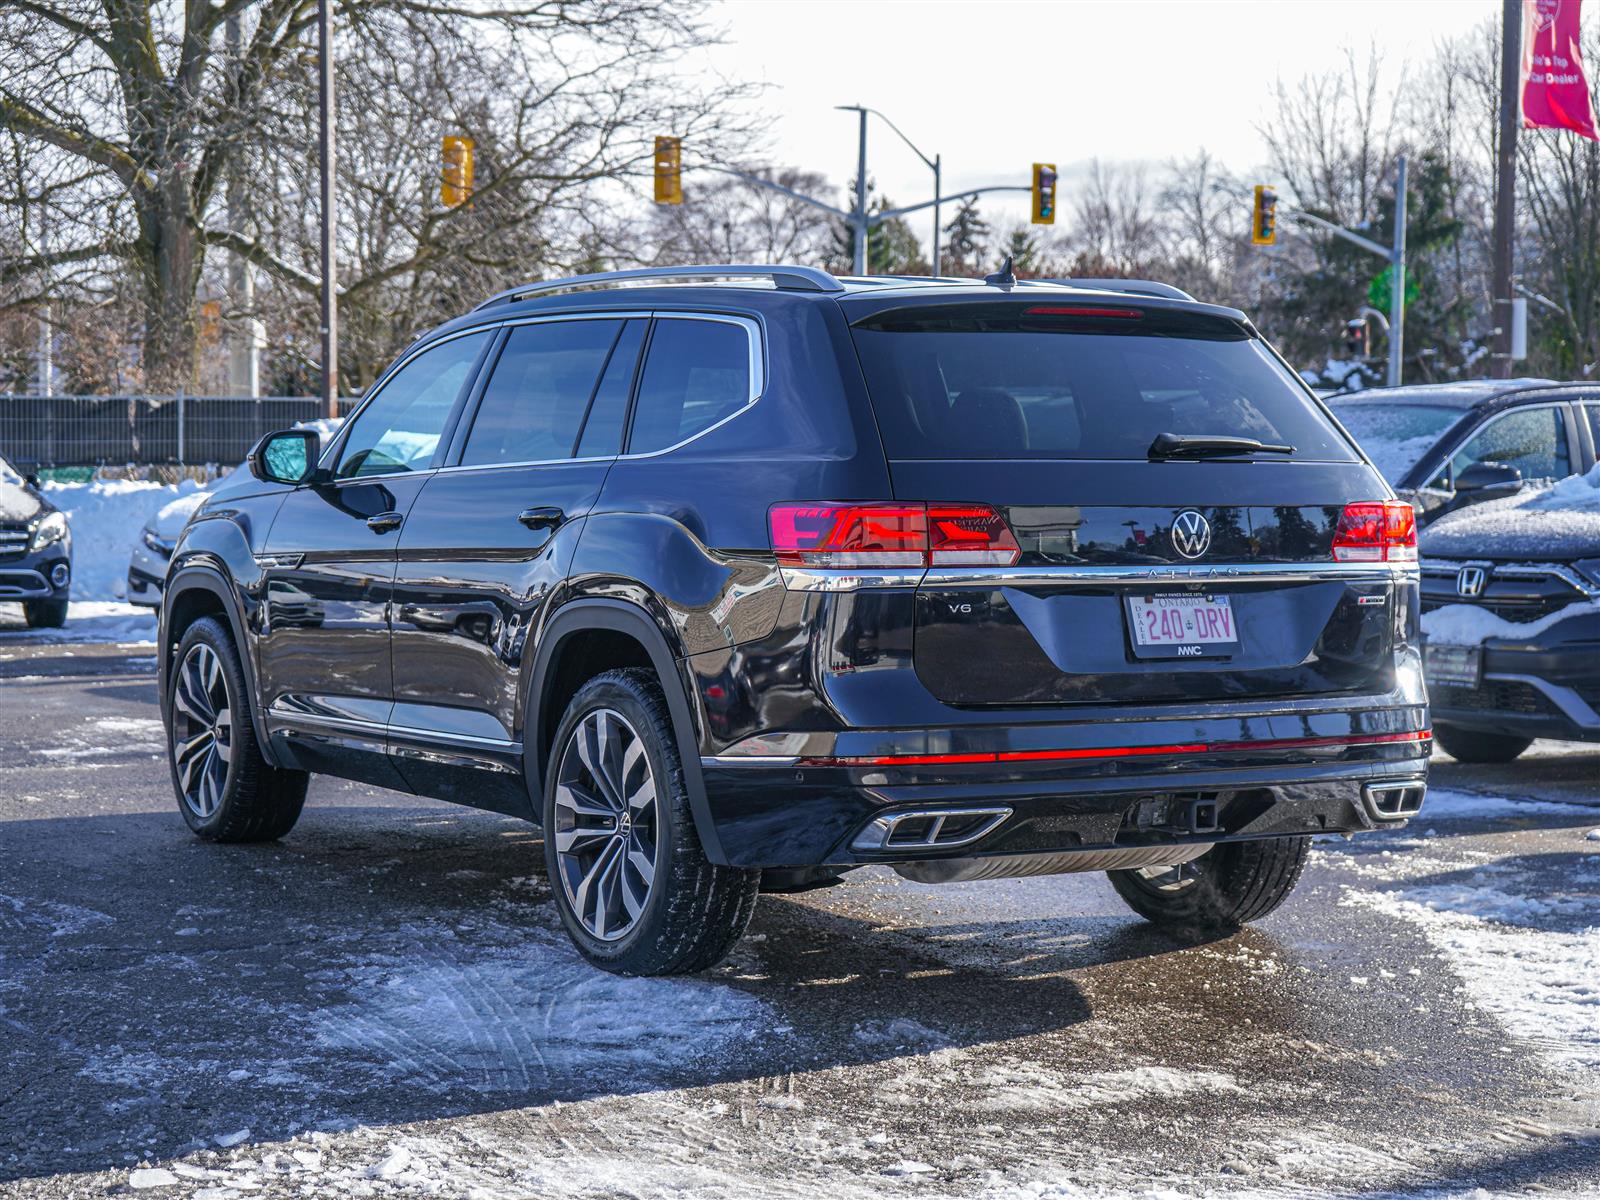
point(1018, 388)
point(1395, 436)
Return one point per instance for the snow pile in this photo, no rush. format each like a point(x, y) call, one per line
point(1468, 625)
point(1579, 492)
point(106, 516)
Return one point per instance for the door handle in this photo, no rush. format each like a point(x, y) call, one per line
point(541, 518)
point(385, 522)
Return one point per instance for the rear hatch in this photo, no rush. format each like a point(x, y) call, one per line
point(1147, 568)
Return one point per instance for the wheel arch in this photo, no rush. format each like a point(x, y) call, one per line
point(192, 593)
point(613, 626)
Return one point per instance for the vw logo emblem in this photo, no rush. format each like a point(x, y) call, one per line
point(1191, 534)
point(1470, 581)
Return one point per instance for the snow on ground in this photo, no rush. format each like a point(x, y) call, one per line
point(1527, 952)
point(87, 621)
point(106, 516)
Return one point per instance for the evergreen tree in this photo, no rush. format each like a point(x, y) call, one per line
point(892, 249)
point(966, 239)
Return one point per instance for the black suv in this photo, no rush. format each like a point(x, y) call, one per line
point(737, 578)
point(35, 551)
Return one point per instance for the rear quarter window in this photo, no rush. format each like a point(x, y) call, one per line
point(985, 382)
point(696, 373)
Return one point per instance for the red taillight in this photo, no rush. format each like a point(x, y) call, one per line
point(852, 536)
point(1052, 310)
point(1376, 531)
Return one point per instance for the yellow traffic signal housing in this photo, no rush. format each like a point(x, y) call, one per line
point(455, 180)
point(1044, 193)
point(1264, 224)
point(669, 170)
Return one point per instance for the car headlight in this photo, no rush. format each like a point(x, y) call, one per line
point(1589, 568)
point(157, 544)
point(49, 531)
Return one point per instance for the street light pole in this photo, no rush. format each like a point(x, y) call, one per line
point(938, 162)
point(330, 266)
point(1397, 277)
point(859, 215)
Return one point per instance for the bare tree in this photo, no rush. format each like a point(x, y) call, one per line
point(1115, 230)
point(138, 101)
point(728, 220)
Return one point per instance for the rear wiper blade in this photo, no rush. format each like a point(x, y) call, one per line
point(1199, 445)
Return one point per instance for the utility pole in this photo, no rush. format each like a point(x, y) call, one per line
point(1397, 278)
point(330, 265)
point(1505, 196)
point(244, 343)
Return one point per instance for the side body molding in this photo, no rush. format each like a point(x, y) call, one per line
point(589, 613)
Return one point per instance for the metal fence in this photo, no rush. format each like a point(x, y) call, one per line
point(92, 431)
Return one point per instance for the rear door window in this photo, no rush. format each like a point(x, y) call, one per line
point(534, 404)
point(696, 373)
point(996, 381)
point(1534, 440)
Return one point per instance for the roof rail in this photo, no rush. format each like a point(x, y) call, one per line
point(1135, 287)
point(787, 278)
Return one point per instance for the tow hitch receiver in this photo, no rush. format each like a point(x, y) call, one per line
point(1176, 815)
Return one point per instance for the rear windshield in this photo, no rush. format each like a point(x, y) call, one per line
point(953, 385)
point(1395, 436)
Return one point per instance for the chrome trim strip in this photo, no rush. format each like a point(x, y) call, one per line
point(1449, 568)
point(1182, 573)
point(1572, 705)
point(748, 760)
point(460, 739)
point(812, 579)
point(383, 730)
point(808, 579)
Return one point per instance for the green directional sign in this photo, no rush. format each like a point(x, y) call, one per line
point(1379, 290)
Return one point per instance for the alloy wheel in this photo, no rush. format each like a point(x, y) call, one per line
point(1167, 879)
point(202, 730)
point(607, 827)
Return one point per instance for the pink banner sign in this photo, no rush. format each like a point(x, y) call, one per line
point(1555, 94)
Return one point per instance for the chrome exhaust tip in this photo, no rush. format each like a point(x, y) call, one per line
point(931, 828)
point(1393, 799)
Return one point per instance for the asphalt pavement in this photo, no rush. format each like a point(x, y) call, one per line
point(383, 1004)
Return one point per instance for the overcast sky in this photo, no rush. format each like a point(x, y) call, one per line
point(994, 85)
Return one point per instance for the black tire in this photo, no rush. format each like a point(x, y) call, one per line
point(1476, 746)
point(237, 796)
point(693, 911)
point(45, 614)
point(1228, 886)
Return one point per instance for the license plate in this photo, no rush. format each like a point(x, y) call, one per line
point(1458, 666)
point(1185, 625)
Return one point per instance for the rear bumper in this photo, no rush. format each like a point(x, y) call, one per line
point(1266, 776)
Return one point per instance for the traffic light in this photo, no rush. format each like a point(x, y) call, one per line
point(1264, 224)
point(669, 170)
point(455, 180)
point(1044, 193)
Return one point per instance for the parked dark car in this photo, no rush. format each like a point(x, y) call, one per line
point(1444, 446)
point(1511, 593)
point(35, 550)
point(740, 578)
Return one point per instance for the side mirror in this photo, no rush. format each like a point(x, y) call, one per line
point(32, 480)
point(1486, 479)
point(289, 456)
